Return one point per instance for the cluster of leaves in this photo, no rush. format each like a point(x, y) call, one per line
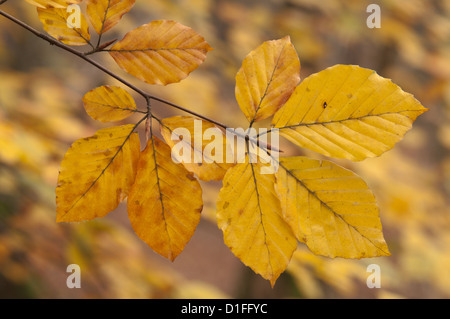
point(35, 126)
point(344, 112)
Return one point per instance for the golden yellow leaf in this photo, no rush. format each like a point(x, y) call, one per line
point(209, 164)
point(109, 103)
point(349, 112)
point(52, 3)
point(165, 202)
point(96, 174)
point(329, 208)
point(267, 78)
point(249, 214)
point(105, 14)
point(55, 22)
point(160, 52)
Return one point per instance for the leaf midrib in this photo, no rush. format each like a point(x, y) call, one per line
point(163, 212)
point(345, 120)
point(154, 49)
point(268, 85)
point(261, 216)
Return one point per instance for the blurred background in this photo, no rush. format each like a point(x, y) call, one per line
point(41, 114)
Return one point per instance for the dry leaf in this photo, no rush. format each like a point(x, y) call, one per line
point(208, 169)
point(348, 112)
point(109, 103)
point(267, 78)
point(54, 21)
point(105, 14)
point(165, 201)
point(250, 216)
point(329, 208)
point(160, 52)
point(96, 174)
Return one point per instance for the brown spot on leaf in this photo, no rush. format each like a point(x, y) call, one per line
point(190, 176)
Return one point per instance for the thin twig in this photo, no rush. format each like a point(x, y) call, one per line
point(104, 69)
point(71, 50)
point(148, 123)
point(84, 56)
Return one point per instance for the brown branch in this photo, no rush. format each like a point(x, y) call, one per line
point(85, 57)
point(67, 48)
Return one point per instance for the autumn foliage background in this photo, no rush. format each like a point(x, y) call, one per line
point(41, 114)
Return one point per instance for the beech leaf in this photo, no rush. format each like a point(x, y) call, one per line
point(207, 168)
point(43, 4)
point(96, 174)
point(160, 52)
point(165, 202)
point(349, 112)
point(105, 14)
point(55, 22)
point(109, 103)
point(329, 208)
point(250, 216)
point(267, 78)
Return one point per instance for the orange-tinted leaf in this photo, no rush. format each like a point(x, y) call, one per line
point(96, 174)
point(160, 52)
point(105, 14)
point(208, 169)
point(55, 22)
point(52, 3)
point(109, 103)
point(165, 201)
